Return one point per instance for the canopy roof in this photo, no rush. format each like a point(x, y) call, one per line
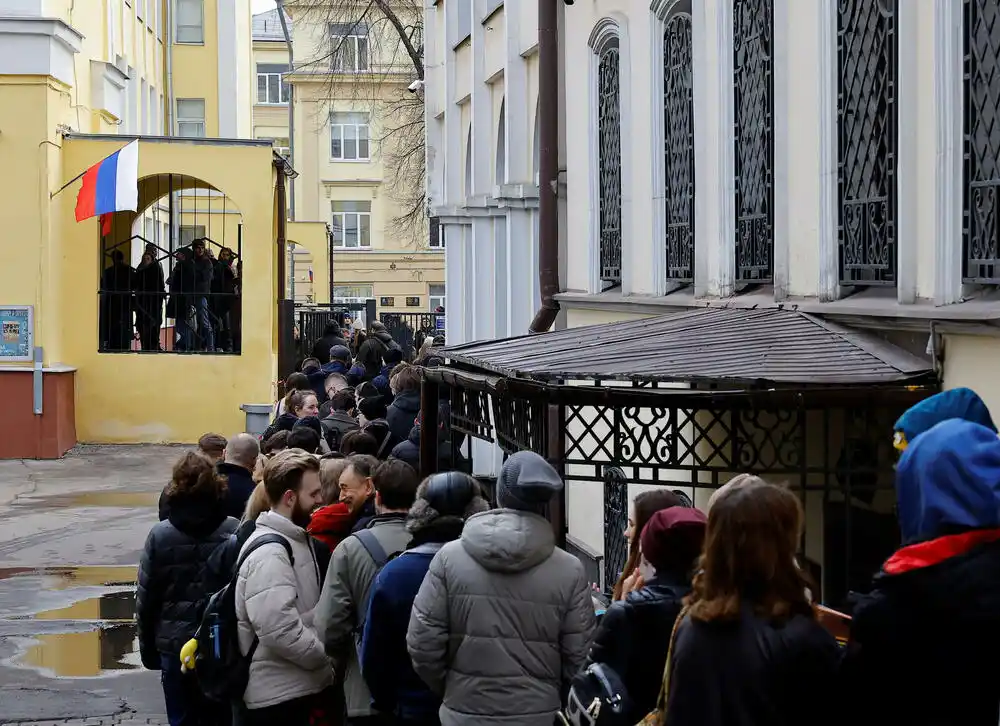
point(708, 344)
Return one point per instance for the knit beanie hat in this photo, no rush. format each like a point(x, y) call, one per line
point(373, 407)
point(341, 354)
point(672, 539)
point(527, 482)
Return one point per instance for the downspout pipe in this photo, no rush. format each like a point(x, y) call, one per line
point(291, 106)
point(548, 165)
point(169, 32)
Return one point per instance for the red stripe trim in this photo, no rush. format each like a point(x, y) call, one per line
point(87, 198)
point(925, 554)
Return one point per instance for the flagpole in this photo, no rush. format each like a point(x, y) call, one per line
point(78, 176)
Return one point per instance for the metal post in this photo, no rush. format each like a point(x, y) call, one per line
point(555, 453)
point(36, 381)
point(428, 427)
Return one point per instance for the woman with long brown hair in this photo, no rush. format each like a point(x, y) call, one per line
point(644, 506)
point(749, 650)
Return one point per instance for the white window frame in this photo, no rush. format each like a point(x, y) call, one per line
point(284, 90)
point(187, 233)
point(200, 27)
point(348, 299)
point(338, 131)
point(433, 300)
point(338, 41)
point(191, 120)
point(344, 218)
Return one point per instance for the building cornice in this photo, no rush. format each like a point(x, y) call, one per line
point(38, 46)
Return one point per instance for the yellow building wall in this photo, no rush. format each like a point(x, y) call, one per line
point(166, 398)
point(196, 71)
point(314, 238)
point(970, 360)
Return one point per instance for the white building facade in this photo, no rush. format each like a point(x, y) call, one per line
point(481, 98)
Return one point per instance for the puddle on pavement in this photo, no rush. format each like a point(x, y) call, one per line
point(81, 576)
point(108, 647)
point(113, 499)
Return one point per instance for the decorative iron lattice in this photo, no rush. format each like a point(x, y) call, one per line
point(981, 180)
point(868, 60)
point(615, 524)
point(754, 134)
point(470, 414)
point(678, 107)
point(520, 424)
point(609, 134)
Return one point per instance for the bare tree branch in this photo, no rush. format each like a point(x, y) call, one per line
point(393, 32)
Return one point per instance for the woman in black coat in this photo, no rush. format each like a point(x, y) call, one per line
point(150, 292)
point(182, 564)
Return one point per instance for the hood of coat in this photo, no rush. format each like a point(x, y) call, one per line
point(281, 525)
point(335, 519)
point(286, 421)
point(961, 403)
point(407, 401)
point(197, 517)
point(506, 540)
point(948, 481)
point(414, 437)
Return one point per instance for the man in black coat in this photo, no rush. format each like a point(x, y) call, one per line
point(204, 271)
point(240, 460)
point(332, 335)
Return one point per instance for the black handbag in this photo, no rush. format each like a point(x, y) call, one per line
point(598, 697)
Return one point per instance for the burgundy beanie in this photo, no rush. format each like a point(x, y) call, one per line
point(672, 539)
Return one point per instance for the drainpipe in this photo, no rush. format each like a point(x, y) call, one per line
point(548, 165)
point(291, 107)
point(169, 33)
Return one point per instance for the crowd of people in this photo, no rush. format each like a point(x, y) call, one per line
point(203, 300)
point(372, 597)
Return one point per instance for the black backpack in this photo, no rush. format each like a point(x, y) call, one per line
point(221, 669)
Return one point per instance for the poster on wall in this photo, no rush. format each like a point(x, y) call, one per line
point(16, 337)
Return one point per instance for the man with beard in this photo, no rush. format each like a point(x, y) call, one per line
point(290, 676)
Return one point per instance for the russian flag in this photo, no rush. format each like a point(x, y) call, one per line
point(111, 185)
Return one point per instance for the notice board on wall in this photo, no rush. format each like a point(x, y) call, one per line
point(16, 333)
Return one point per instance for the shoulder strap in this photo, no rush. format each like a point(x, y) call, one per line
point(385, 442)
point(374, 548)
point(661, 701)
point(264, 539)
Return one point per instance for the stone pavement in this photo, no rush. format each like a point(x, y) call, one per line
point(71, 533)
point(125, 719)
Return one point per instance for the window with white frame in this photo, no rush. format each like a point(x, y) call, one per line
point(188, 233)
point(191, 117)
point(271, 87)
point(190, 22)
point(351, 293)
point(352, 225)
point(349, 47)
point(349, 137)
point(435, 297)
point(435, 237)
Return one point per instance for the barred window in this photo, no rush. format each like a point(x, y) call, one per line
point(609, 160)
point(678, 120)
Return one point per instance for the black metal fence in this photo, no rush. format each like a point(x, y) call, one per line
point(311, 320)
point(410, 330)
point(171, 278)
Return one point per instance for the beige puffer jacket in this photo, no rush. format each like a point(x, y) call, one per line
point(277, 602)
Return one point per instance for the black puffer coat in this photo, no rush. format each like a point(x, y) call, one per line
point(182, 565)
point(634, 636)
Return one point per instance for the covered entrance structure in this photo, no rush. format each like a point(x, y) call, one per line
point(688, 401)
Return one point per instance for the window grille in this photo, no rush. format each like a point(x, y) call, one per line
point(610, 163)
point(678, 116)
point(981, 173)
point(867, 63)
point(754, 134)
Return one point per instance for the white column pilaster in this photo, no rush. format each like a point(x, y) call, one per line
point(948, 102)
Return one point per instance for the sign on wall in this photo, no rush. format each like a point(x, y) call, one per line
point(16, 333)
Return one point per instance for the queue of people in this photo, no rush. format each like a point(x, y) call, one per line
point(382, 599)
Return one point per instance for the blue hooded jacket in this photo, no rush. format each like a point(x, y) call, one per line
point(948, 480)
point(963, 403)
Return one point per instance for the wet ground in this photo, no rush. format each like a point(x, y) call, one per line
point(71, 533)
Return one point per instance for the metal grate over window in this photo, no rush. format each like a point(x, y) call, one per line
point(678, 107)
point(867, 70)
point(609, 134)
point(754, 135)
point(981, 174)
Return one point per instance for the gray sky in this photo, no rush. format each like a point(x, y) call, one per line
point(260, 6)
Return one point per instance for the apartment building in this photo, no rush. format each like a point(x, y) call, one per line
point(78, 81)
point(350, 101)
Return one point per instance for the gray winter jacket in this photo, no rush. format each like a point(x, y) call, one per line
point(502, 622)
point(340, 614)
